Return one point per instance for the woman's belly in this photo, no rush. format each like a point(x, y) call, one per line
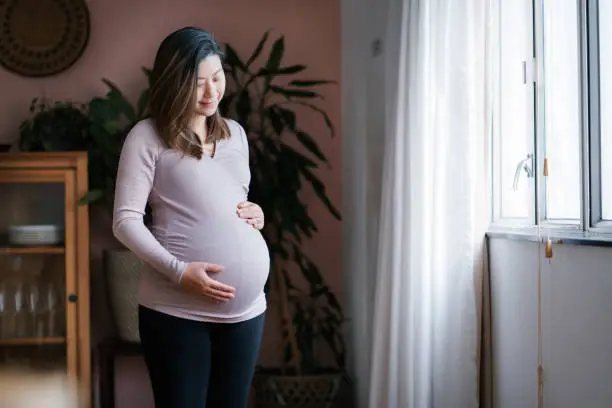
point(225, 240)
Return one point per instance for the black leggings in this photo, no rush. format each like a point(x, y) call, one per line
point(196, 364)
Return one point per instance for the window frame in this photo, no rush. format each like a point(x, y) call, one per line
point(590, 222)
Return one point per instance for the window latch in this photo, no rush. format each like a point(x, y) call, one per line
point(525, 165)
point(530, 71)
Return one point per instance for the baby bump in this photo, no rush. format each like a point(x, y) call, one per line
point(245, 262)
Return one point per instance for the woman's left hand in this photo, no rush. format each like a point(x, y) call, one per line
point(252, 213)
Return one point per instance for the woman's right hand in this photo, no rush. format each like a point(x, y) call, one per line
point(196, 279)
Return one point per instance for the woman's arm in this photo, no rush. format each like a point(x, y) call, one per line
point(134, 183)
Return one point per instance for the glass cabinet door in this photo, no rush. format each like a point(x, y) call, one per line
point(37, 270)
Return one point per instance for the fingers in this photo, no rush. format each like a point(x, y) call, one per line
point(253, 215)
point(221, 287)
point(256, 222)
point(219, 295)
point(214, 268)
point(219, 292)
point(249, 212)
point(217, 299)
point(210, 283)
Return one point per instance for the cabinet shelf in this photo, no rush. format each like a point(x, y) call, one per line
point(32, 250)
point(32, 341)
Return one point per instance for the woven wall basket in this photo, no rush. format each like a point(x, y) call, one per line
point(42, 37)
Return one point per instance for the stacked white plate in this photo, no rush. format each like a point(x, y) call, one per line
point(35, 234)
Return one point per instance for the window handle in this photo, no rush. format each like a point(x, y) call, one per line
point(525, 165)
point(530, 71)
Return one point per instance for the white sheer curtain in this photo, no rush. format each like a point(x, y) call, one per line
point(420, 347)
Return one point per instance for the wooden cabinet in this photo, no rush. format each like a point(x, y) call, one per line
point(44, 265)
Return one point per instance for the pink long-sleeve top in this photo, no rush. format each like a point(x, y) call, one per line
point(194, 207)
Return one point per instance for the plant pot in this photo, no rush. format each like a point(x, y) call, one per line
point(274, 390)
point(122, 271)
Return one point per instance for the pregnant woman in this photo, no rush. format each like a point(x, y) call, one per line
point(201, 298)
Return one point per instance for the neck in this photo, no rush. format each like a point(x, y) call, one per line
point(198, 126)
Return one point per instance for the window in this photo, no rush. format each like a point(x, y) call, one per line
point(605, 107)
point(552, 119)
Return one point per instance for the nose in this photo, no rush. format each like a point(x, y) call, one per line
point(209, 89)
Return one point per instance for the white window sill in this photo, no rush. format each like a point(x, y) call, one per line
point(558, 237)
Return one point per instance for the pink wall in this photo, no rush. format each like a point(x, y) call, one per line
point(124, 37)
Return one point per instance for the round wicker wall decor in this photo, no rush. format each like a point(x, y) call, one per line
point(42, 37)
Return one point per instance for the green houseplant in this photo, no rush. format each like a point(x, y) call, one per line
point(111, 118)
point(98, 126)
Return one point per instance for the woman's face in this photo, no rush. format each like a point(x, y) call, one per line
point(210, 85)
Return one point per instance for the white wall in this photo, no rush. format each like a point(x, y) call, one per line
point(577, 325)
point(363, 127)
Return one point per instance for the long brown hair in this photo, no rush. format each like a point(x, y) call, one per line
point(173, 90)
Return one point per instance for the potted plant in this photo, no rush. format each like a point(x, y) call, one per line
point(60, 126)
point(263, 98)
